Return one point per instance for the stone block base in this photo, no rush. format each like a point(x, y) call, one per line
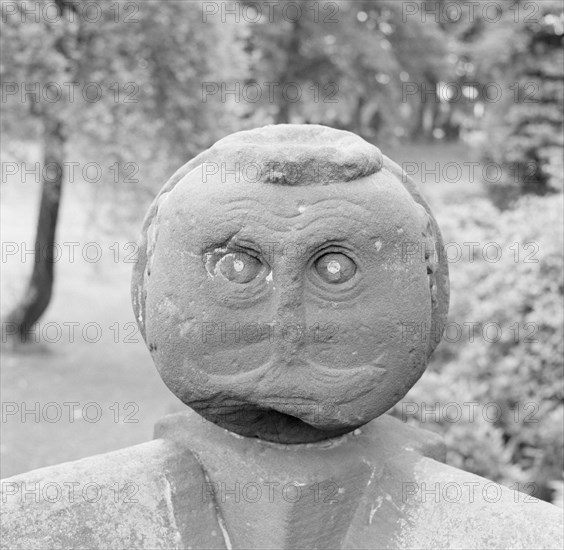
point(199, 486)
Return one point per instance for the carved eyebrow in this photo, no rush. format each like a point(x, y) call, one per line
point(262, 234)
point(255, 211)
point(231, 246)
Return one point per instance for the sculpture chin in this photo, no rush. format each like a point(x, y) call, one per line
point(268, 423)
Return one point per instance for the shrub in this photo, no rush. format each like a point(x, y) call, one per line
point(517, 367)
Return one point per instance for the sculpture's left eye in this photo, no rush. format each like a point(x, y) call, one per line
point(335, 268)
point(239, 267)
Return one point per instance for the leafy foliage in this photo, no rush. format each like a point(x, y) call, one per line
point(144, 78)
point(516, 367)
point(525, 131)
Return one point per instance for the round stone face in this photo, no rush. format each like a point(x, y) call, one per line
point(294, 305)
point(284, 312)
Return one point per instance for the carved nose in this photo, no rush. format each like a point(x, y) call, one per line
point(290, 316)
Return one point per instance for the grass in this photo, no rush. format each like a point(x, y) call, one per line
point(74, 369)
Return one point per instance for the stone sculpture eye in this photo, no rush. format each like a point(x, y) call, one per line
point(335, 268)
point(239, 267)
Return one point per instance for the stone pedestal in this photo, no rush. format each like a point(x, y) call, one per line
point(382, 486)
point(270, 495)
point(141, 497)
point(199, 486)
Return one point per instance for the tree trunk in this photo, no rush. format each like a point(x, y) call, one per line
point(452, 131)
point(39, 290)
point(357, 115)
point(288, 73)
point(427, 113)
point(435, 114)
point(283, 114)
point(418, 130)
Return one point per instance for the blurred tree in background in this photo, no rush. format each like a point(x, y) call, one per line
point(350, 61)
point(24, 63)
point(525, 131)
point(511, 76)
point(126, 96)
point(364, 66)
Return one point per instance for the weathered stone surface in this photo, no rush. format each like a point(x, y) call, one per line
point(421, 503)
point(276, 279)
point(142, 497)
point(382, 486)
point(293, 496)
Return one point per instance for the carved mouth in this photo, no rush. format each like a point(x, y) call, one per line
point(269, 423)
point(314, 403)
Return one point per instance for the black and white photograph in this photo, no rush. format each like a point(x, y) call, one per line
point(282, 274)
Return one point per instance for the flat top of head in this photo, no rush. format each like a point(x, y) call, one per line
point(289, 154)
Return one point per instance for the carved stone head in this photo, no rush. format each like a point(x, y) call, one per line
point(288, 284)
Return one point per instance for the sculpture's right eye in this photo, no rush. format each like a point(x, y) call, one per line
point(237, 266)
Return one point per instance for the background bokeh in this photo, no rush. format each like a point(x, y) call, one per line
point(467, 96)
